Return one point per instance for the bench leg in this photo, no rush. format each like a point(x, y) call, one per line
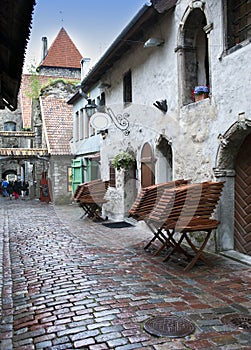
point(177, 247)
point(156, 236)
point(198, 252)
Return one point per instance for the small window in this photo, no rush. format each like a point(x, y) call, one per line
point(102, 99)
point(101, 102)
point(77, 126)
point(81, 124)
point(238, 21)
point(127, 87)
point(112, 179)
point(91, 130)
point(9, 126)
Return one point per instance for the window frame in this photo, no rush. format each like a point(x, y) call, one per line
point(127, 87)
point(236, 38)
point(10, 126)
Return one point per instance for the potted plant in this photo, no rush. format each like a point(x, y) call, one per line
point(200, 92)
point(122, 160)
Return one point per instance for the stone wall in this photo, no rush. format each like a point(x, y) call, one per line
point(58, 177)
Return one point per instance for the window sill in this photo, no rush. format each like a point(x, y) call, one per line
point(197, 104)
point(238, 46)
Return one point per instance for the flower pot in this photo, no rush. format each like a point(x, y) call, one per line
point(200, 92)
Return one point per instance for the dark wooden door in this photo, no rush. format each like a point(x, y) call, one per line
point(147, 166)
point(242, 232)
point(44, 188)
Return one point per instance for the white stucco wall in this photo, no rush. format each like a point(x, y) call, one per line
point(195, 130)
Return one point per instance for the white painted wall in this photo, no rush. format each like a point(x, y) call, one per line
point(193, 130)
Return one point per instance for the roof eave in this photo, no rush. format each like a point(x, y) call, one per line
point(17, 16)
point(122, 43)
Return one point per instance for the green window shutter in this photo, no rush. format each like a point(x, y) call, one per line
point(77, 173)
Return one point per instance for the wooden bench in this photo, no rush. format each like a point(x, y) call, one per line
point(186, 209)
point(90, 196)
point(147, 199)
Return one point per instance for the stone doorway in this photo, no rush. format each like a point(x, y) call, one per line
point(232, 157)
point(242, 222)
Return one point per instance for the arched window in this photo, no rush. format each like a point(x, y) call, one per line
point(164, 166)
point(10, 126)
point(194, 53)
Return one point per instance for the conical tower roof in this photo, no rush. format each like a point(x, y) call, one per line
point(62, 53)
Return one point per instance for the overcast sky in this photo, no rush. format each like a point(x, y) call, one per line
point(91, 24)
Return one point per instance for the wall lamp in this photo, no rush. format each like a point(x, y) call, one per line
point(90, 107)
point(162, 105)
point(153, 42)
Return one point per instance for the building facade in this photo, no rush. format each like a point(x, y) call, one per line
point(35, 138)
point(145, 87)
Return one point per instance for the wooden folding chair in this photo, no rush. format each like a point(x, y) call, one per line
point(147, 199)
point(194, 214)
point(90, 197)
point(167, 211)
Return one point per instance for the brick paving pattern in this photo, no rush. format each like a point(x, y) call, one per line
point(69, 283)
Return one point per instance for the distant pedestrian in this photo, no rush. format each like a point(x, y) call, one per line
point(4, 188)
point(19, 184)
point(23, 190)
point(16, 190)
point(10, 189)
point(27, 188)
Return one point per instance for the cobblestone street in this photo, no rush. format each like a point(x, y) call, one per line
point(70, 283)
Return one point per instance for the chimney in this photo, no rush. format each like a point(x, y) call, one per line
point(44, 47)
point(85, 67)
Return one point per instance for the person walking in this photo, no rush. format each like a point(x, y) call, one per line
point(4, 187)
point(16, 190)
point(23, 190)
point(27, 188)
point(10, 189)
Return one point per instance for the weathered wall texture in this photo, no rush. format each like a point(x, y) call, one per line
point(197, 132)
point(58, 177)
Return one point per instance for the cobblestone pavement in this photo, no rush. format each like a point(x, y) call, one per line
point(69, 283)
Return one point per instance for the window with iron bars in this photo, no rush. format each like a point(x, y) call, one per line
point(238, 21)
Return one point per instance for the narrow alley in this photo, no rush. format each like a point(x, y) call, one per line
point(70, 283)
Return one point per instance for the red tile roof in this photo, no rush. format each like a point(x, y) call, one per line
point(25, 98)
point(57, 116)
point(62, 53)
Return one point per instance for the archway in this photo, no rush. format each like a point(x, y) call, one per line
point(10, 172)
point(230, 158)
point(193, 50)
point(164, 165)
